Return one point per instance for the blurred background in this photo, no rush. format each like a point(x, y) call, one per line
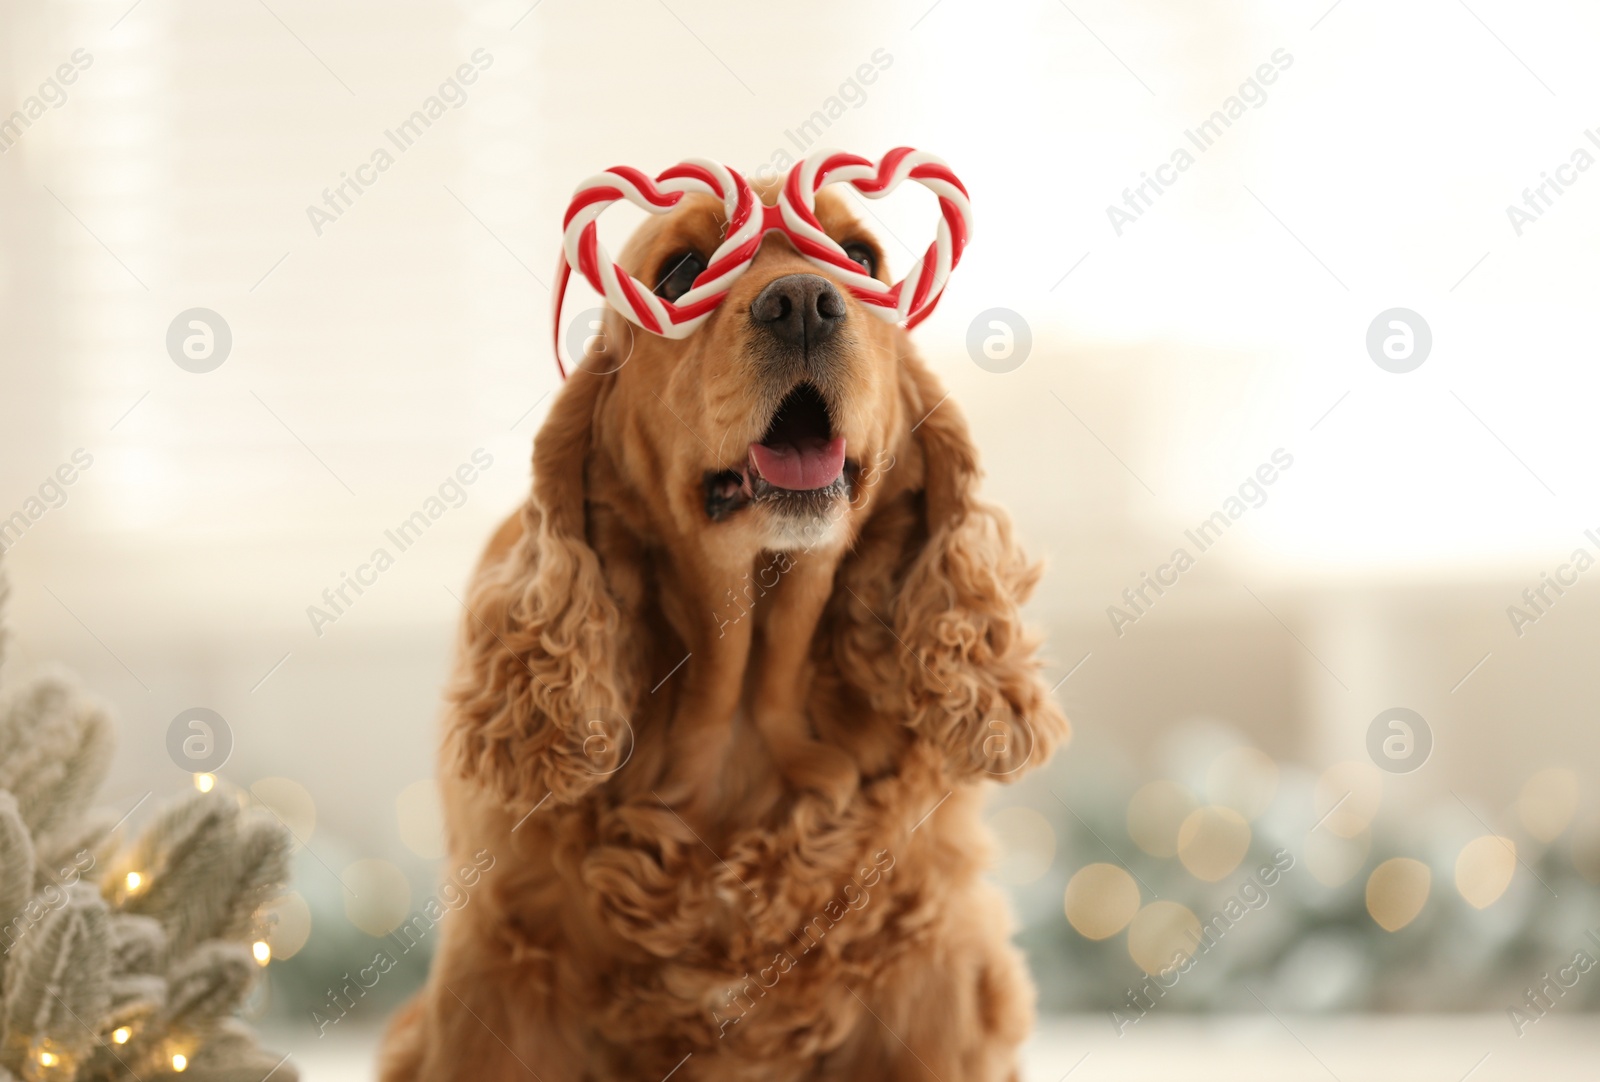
point(1347, 247)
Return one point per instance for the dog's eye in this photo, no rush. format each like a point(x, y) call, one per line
point(863, 255)
point(678, 274)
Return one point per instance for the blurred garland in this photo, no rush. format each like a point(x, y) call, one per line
point(1311, 945)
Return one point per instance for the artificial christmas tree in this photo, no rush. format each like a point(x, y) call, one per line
point(121, 961)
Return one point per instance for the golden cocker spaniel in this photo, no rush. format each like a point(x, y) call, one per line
point(730, 686)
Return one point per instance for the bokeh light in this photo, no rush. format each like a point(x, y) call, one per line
point(1397, 890)
point(1101, 900)
point(377, 897)
point(1484, 869)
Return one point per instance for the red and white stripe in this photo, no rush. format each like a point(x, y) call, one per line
point(910, 300)
point(581, 247)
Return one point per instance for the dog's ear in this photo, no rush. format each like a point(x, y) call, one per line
point(952, 580)
point(539, 703)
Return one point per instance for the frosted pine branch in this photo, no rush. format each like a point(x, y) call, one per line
point(186, 858)
point(16, 873)
point(261, 868)
point(208, 986)
point(61, 975)
point(108, 976)
point(55, 749)
point(138, 944)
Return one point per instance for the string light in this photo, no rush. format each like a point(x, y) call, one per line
point(262, 950)
point(205, 782)
point(121, 1034)
point(134, 881)
point(52, 1062)
point(180, 1062)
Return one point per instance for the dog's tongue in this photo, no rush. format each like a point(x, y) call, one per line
point(802, 466)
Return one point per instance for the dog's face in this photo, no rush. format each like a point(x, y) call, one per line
point(769, 424)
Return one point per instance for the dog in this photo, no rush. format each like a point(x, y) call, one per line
point(730, 689)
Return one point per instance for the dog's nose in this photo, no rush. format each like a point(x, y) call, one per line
point(800, 310)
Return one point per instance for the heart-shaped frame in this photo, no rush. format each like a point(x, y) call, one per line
point(912, 298)
point(581, 247)
point(909, 300)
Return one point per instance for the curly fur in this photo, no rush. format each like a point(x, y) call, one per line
point(742, 844)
